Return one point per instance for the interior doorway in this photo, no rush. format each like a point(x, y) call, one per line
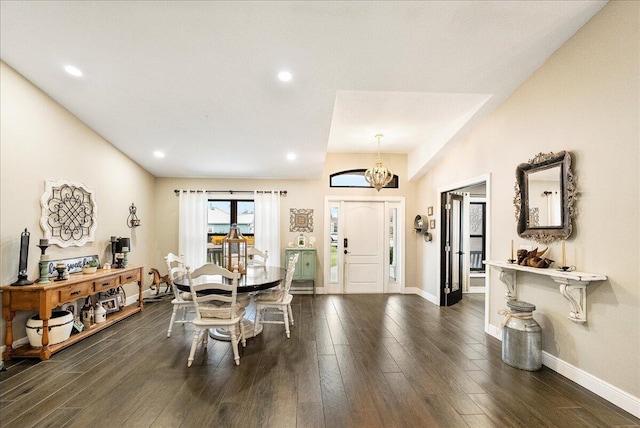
point(464, 243)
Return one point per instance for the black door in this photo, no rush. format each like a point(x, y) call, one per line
point(451, 255)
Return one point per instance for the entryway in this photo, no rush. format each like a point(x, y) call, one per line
point(365, 246)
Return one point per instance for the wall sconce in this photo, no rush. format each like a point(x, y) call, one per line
point(133, 220)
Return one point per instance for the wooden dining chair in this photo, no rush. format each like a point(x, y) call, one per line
point(277, 301)
point(260, 260)
point(216, 305)
point(181, 301)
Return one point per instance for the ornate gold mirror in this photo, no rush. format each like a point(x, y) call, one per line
point(545, 197)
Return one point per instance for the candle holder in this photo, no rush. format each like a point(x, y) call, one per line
point(24, 256)
point(44, 269)
point(114, 243)
point(61, 268)
point(512, 261)
point(567, 268)
point(125, 259)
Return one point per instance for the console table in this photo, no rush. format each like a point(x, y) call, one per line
point(43, 298)
point(573, 285)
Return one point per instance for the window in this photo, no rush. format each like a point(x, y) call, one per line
point(222, 213)
point(355, 178)
point(477, 238)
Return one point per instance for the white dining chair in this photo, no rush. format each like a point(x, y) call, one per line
point(216, 305)
point(277, 301)
point(181, 300)
point(257, 257)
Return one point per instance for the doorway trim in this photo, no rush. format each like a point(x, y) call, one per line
point(484, 178)
point(338, 288)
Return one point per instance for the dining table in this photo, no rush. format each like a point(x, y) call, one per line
point(256, 278)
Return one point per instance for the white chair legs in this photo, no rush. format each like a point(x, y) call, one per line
point(202, 334)
point(174, 314)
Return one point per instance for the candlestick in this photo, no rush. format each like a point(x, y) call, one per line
point(511, 250)
point(564, 255)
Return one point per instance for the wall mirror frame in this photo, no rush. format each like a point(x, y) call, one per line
point(556, 219)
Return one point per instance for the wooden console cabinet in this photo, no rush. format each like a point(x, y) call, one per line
point(45, 297)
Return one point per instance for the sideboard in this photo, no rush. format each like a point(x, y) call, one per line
point(43, 298)
point(306, 267)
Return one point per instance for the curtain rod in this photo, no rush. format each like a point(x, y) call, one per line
point(178, 191)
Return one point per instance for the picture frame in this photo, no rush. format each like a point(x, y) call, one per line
point(110, 304)
point(430, 211)
point(432, 223)
point(71, 307)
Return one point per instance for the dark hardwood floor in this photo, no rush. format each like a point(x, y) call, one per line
point(352, 361)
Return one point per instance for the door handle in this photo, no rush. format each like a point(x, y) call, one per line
point(346, 252)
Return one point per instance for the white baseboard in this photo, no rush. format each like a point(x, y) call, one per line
point(415, 290)
point(614, 395)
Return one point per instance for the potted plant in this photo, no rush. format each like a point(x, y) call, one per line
point(90, 267)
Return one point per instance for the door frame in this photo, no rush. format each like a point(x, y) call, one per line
point(484, 178)
point(338, 288)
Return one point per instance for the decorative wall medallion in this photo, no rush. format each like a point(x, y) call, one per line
point(300, 220)
point(69, 213)
point(475, 219)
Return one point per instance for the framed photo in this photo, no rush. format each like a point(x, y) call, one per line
point(110, 304)
point(71, 307)
point(432, 224)
point(430, 211)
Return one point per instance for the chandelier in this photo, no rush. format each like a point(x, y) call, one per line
point(378, 176)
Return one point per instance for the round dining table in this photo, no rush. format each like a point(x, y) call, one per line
point(257, 278)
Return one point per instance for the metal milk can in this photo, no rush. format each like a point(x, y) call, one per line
point(521, 337)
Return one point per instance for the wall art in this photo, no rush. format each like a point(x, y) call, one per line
point(300, 220)
point(69, 213)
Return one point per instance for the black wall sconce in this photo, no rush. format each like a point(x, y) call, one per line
point(133, 220)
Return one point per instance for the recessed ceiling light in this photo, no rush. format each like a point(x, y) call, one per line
point(158, 154)
point(74, 71)
point(285, 76)
point(291, 156)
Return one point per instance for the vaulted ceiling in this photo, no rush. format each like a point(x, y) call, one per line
point(198, 81)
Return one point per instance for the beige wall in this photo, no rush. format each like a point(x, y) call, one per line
point(41, 141)
point(584, 99)
point(301, 194)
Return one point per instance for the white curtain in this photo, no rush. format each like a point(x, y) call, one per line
point(192, 238)
point(267, 224)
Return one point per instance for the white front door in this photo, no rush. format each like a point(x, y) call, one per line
point(363, 247)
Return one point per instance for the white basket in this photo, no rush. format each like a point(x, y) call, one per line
point(60, 326)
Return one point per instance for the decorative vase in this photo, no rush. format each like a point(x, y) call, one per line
point(100, 313)
point(60, 325)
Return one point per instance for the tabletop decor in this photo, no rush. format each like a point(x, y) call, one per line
point(69, 213)
point(234, 250)
point(534, 258)
point(90, 267)
point(24, 257)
